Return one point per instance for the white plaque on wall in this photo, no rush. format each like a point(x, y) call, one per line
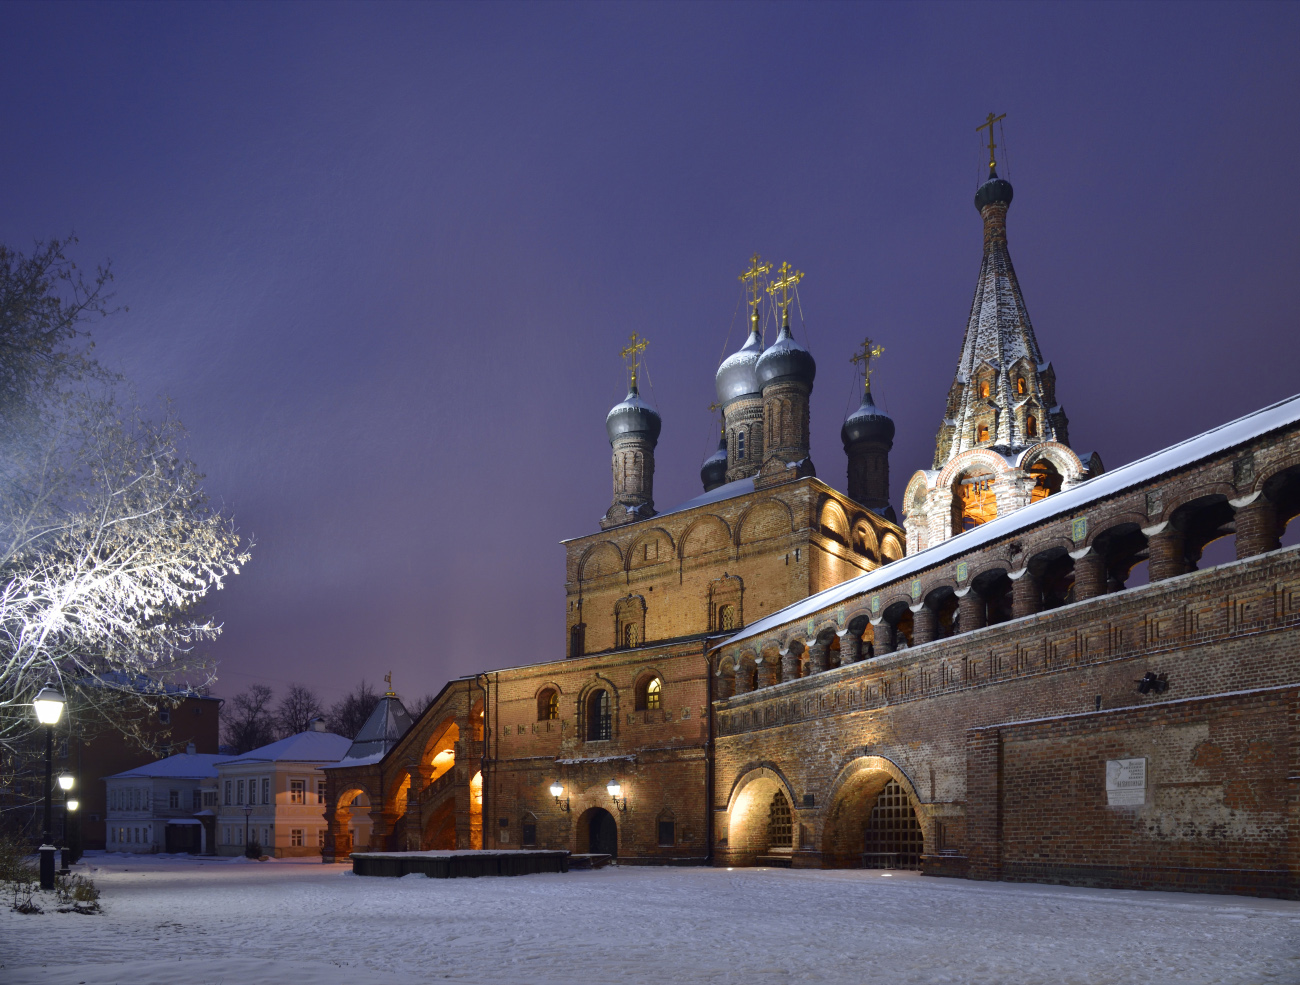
point(1126, 782)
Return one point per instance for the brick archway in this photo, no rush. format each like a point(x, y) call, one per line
point(852, 800)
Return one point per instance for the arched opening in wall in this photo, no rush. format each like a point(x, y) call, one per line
point(352, 823)
point(746, 675)
point(844, 835)
point(893, 838)
point(982, 435)
point(724, 681)
point(548, 705)
point(943, 603)
point(599, 718)
point(1055, 572)
point(1031, 426)
point(440, 829)
point(1204, 521)
point(649, 693)
point(973, 501)
point(1021, 387)
point(899, 616)
point(476, 720)
point(994, 587)
point(1124, 546)
point(1283, 491)
point(578, 640)
point(440, 753)
point(984, 391)
point(1047, 480)
point(760, 821)
point(597, 833)
point(476, 811)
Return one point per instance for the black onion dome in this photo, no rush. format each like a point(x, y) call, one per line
point(736, 376)
point(994, 190)
point(867, 423)
point(633, 416)
point(785, 359)
point(713, 472)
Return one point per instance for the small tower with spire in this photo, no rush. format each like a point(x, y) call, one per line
point(633, 428)
point(785, 372)
point(713, 472)
point(739, 392)
point(868, 436)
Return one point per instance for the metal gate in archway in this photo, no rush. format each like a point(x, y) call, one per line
point(893, 836)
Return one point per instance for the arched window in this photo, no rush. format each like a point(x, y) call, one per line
point(1020, 385)
point(983, 434)
point(548, 705)
point(740, 444)
point(654, 694)
point(631, 635)
point(780, 830)
point(1031, 426)
point(1046, 480)
point(727, 617)
point(984, 390)
point(577, 640)
point(973, 502)
point(599, 724)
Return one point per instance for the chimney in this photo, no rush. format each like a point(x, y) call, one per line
point(317, 725)
point(189, 749)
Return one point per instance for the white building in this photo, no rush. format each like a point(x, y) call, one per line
point(275, 795)
point(158, 807)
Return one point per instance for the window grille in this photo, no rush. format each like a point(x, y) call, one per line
point(727, 617)
point(893, 837)
point(599, 725)
point(780, 826)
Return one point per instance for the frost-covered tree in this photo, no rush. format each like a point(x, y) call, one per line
point(108, 546)
point(296, 710)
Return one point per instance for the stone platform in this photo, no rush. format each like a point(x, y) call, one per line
point(459, 864)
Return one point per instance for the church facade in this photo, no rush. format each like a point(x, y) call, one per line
point(777, 673)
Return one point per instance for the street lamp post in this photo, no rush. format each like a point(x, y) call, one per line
point(248, 812)
point(49, 707)
point(66, 781)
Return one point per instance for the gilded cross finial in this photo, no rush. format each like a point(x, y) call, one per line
point(993, 162)
point(716, 408)
point(388, 679)
point(786, 280)
point(862, 358)
point(752, 279)
point(630, 352)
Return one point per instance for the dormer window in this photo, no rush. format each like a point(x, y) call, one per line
point(983, 434)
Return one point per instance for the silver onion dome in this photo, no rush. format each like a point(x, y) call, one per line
point(867, 423)
point(736, 376)
point(785, 359)
point(633, 416)
point(713, 472)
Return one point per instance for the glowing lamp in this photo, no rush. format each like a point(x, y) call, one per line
point(73, 804)
point(556, 790)
point(65, 781)
point(49, 706)
point(615, 791)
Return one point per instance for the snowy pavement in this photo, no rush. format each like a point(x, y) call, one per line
point(176, 920)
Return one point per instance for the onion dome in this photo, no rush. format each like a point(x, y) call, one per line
point(713, 472)
point(867, 423)
point(786, 360)
point(994, 190)
point(736, 376)
point(633, 416)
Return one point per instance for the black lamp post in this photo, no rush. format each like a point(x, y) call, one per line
point(248, 812)
point(66, 780)
point(49, 707)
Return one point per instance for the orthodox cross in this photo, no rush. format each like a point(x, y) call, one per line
point(993, 163)
point(787, 279)
point(715, 408)
point(751, 279)
point(862, 358)
point(634, 348)
point(388, 679)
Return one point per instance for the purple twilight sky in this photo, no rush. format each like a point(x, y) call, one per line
point(384, 257)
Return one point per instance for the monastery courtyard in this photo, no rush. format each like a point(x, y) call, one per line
point(171, 919)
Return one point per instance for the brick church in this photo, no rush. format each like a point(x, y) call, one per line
point(1036, 677)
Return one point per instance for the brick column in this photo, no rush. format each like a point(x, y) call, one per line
point(1166, 549)
point(1256, 518)
point(766, 672)
point(972, 610)
point(1089, 575)
point(789, 664)
point(818, 657)
point(742, 680)
point(850, 647)
point(925, 626)
point(884, 637)
point(722, 683)
point(1026, 595)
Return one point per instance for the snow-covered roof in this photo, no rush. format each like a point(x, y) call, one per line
point(728, 490)
point(385, 726)
point(1212, 442)
point(184, 765)
point(305, 747)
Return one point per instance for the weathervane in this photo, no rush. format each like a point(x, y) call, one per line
point(862, 358)
point(993, 162)
point(634, 348)
point(787, 279)
point(388, 679)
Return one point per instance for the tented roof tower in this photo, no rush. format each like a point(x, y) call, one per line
point(1004, 394)
point(386, 724)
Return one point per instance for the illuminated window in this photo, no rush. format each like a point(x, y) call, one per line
point(296, 837)
point(548, 705)
point(983, 434)
point(320, 791)
point(1046, 480)
point(740, 444)
point(653, 694)
point(1020, 385)
point(727, 617)
point(1031, 426)
point(780, 830)
point(973, 502)
point(984, 390)
point(297, 791)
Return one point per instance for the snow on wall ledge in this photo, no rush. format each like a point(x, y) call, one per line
point(1212, 442)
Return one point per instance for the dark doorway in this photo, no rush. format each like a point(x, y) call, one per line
point(603, 833)
point(893, 836)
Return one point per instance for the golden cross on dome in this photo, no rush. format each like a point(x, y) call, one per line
point(716, 408)
point(388, 679)
point(634, 348)
point(993, 162)
point(786, 280)
point(862, 358)
point(752, 277)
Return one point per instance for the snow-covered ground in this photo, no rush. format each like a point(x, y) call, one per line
point(175, 920)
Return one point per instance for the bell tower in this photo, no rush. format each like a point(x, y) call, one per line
point(633, 428)
point(868, 436)
point(785, 372)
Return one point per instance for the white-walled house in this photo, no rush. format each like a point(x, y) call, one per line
point(157, 807)
point(275, 795)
